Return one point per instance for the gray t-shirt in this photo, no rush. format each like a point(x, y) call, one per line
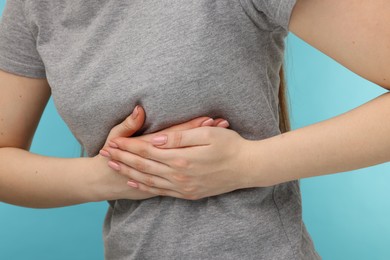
point(179, 59)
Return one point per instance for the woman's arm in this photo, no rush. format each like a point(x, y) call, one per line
point(354, 33)
point(32, 180)
point(204, 162)
point(357, 35)
point(353, 140)
point(36, 181)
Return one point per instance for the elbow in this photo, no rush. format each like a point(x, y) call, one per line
point(383, 76)
point(384, 82)
point(381, 81)
point(15, 143)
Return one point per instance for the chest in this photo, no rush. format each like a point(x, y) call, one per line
point(103, 59)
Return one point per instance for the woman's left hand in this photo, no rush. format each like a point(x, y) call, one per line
point(190, 164)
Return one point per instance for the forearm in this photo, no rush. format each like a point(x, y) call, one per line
point(353, 140)
point(32, 180)
point(36, 181)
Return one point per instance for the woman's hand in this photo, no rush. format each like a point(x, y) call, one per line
point(189, 164)
point(117, 185)
point(135, 121)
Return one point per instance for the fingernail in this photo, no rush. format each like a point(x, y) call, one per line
point(113, 145)
point(160, 140)
point(224, 123)
point(132, 184)
point(114, 165)
point(104, 153)
point(208, 122)
point(134, 115)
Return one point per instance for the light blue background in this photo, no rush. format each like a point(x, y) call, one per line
point(347, 214)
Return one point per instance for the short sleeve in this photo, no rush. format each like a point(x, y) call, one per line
point(271, 13)
point(18, 52)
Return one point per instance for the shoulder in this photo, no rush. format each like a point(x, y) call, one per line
point(354, 34)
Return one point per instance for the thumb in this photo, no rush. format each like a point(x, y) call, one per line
point(129, 126)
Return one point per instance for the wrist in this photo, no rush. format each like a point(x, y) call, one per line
point(258, 164)
point(97, 182)
point(106, 184)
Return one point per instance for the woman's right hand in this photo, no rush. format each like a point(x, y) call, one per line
point(114, 186)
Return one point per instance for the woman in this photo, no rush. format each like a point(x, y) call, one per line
point(194, 192)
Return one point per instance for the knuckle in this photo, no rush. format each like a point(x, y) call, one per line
point(181, 163)
point(149, 181)
point(141, 166)
point(115, 155)
point(180, 178)
point(189, 190)
point(128, 124)
point(191, 197)
point(143, 187)
point(144, 152)
point(128, 172)
point(161, 193)
point(177, 138)
point(120, 142)
point(194, 123)
point(119, 156)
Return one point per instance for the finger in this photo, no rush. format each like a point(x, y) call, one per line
point(217, 121)
point(140, 177)
point(159, 192)
point(180, 139)
point(194, 123)
point(220, 122)
point(136, 162)
point(141, 148)
point(129, 126)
